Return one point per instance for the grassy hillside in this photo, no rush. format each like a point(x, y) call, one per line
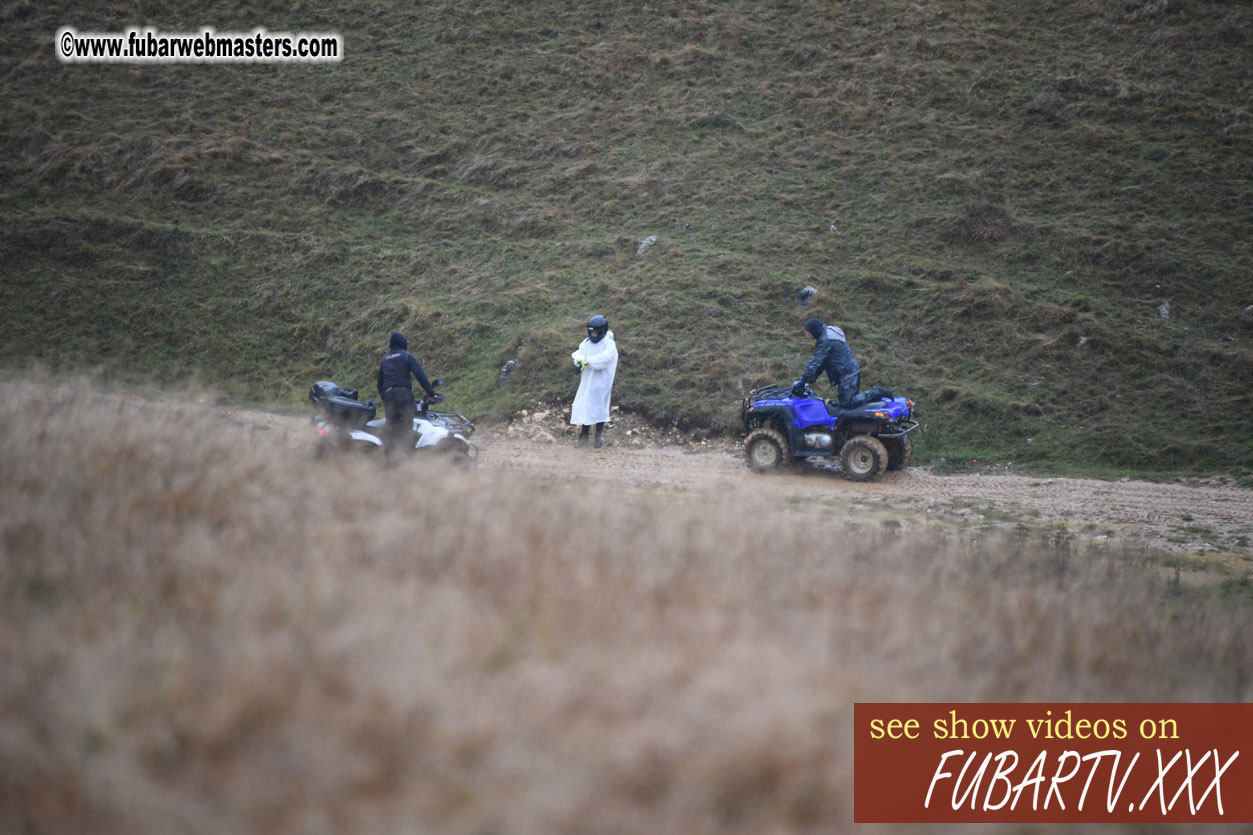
point(996, 200)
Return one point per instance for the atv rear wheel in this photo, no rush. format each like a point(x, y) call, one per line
point(900, 451)
point(765, 450)
point(863, 457)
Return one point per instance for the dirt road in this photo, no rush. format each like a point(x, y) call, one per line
point(1214, 520)
point(1192, 519)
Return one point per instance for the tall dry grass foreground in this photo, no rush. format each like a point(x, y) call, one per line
point(205, 630)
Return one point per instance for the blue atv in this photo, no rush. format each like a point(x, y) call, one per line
point(868, 439)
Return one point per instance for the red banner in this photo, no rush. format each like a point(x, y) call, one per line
point(1053, 763)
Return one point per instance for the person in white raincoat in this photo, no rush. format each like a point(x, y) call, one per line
point(597, 359)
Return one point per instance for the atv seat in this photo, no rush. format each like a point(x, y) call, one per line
point(834, 410)
point(348, 412)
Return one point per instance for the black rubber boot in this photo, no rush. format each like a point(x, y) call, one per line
point(583, 436)
point(600, 427)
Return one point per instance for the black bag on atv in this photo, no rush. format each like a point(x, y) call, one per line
point(324, 390)
point(341, 405)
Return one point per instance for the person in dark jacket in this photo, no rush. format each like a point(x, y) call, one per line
point(832, 355)
point(397, 391)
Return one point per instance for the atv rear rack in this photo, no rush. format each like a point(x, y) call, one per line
point(908, 426)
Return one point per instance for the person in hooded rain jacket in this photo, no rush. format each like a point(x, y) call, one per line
point(396, 390)
point(832, 355)
point(597, 361)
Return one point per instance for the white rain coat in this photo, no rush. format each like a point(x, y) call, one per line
point(591, 403)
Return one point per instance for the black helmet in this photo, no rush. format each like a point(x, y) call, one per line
point(597, 327)
point(814, 328)
point(398, 342)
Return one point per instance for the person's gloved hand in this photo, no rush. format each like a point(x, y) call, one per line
point(798, 389)
point(434, 398)
point(578, 360)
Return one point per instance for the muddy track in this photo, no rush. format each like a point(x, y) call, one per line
point(1187, 519)
point(1175, 517)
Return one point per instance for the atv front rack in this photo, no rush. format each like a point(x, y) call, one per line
point(765, 393)
point(770, 392)
point(454, 421)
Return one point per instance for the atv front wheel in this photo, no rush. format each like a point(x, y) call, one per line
point(900, 451)
point(765, 450)
point(863, 457)
point(457, 451)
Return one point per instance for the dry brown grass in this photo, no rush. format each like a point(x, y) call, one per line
point(205, 630)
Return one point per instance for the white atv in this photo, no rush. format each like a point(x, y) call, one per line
point(344, 422)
